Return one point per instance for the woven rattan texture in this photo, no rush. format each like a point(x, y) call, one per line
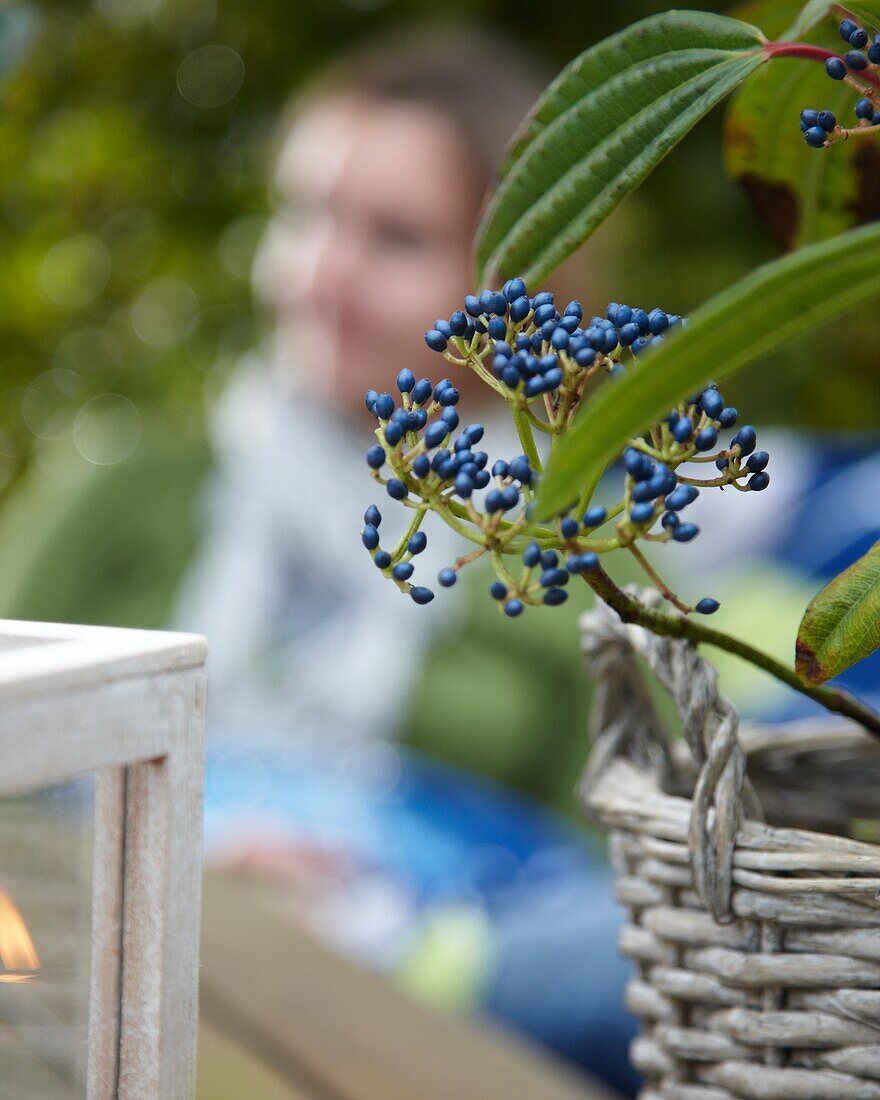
point(756, 948)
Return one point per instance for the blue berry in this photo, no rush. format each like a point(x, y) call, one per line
point(835, 68)
point(552, 378)
point(421, 595)
point(513, 608)
point(874, 51)
point(464, 485)
point(638, 465)
point(658, 322)
point(393, 433)
point(370, 399)
point(384, 406)
point(809, 118)
point(569, 324)
point(746, 438)
point(497, 590)
point(519, 309)
point(574, 309)
point(553, 597)
point(403, 571)
point(494, 501)
point(669, 520)
point(629, 333)
point(497, 303)
point(713, 403)
point(551, 578)
point(421, 466)
point(569, 527)
point(447, 578)
point(707, 606)
point(450, 418)
point(510, 497)
point(417, 542)
point(706, 439)
point(422, 391)
point(722, 463)
point(497, 328)
point(531, 555)
point(436, 433)
point(549, 559)
point(449, 396)
point(543, 314)
point(642, 513)
point(472, 305)
point(520, 470)
point(543, 298)
point(435, 340)
point(458, 323)
point(513, 289)
point(443, 327)
point(864, 109)
point(827, 120)
point(382, 559)
point(372, 516)
point(376, 457)
point(559, 339)
point(396, 489)
point(594, 516)
point(855, 60)
point(583, 563)
point(682, 497)
point(859, 38)
point(758, 482)
point(585, 357)
point(757, 461)
point(481, 479)
point(727, 417)
point(510, 376)
point(846, 28)
point(683, 430)
point(685, 532)
point(370, 537)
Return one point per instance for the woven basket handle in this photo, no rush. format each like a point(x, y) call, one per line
point(625, 722)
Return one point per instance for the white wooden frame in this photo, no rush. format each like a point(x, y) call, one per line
point(127, 705)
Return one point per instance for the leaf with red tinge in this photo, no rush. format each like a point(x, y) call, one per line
point(842, 624)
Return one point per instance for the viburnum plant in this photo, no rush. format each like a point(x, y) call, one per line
point(658, 426)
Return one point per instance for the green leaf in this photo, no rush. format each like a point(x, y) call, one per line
point(802, 194)
point(842, 623)
point(812, 13)
point(599, 130)
point(774, 304)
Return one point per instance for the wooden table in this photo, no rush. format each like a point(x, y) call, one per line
point(334, 1031)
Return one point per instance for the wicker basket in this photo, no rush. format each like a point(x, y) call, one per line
point(756, 946)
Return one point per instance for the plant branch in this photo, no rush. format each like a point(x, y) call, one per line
point(659, 622)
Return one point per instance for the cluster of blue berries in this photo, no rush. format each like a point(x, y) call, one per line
point(525, 348)
point(532, 349)
point(816, 126)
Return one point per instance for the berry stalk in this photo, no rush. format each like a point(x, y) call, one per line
point(668, 625)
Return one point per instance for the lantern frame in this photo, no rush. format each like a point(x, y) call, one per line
point(129, 707)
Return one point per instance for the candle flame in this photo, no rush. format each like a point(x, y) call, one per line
point(18, 956)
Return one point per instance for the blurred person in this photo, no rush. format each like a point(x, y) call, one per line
point(378, 180)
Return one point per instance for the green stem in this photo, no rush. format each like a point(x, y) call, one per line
point(414, 525)
point(524, 431)
point(659, 622)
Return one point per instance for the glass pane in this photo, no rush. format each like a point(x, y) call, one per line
point(45, 905)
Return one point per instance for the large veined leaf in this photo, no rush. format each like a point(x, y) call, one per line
point(600, 128)
point(842, 623)
point(802, 194)
point(772, 305)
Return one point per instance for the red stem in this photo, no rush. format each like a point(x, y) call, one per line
point(815, 53)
